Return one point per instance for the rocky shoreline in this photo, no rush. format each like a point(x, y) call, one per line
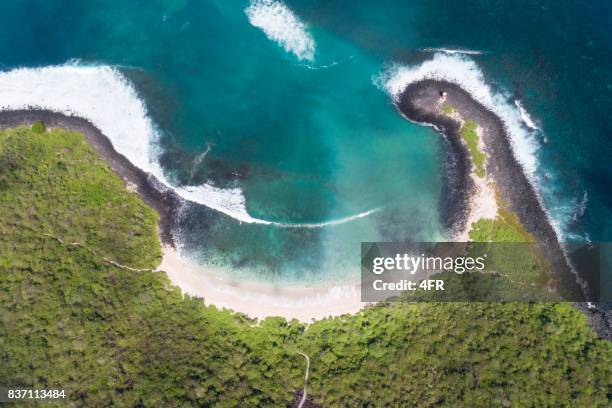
point(457, 185)
point(420, 103)
point(163, 200)
point(413, 104)
point(253, 299)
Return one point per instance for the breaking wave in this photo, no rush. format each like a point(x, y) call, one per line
point(464, 72)
point(102, 95)
point(525, 116)
point(281, 25)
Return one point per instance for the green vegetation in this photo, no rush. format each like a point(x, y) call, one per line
point(113, 336)
point(459, 354)
point(470, 136)
point(69, 319)
point(448, 109)
point(505, 228)
point(39, 127)
point(524, 265)
point(54, 183)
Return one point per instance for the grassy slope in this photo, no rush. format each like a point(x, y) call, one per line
point(523, 264)
point(469, 135)
point(70, 319)
point(523, 267)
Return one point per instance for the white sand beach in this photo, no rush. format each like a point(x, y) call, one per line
point(259, 300)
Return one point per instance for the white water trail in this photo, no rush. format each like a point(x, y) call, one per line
point(102, 95)
point(325, 66)
point(453, 51)
point(282, 26)
point(330, 223)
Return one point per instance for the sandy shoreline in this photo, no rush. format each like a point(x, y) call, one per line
point(464, 200)
point(259, 300)
point(256, 300)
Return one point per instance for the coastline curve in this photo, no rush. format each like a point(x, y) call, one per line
point(417, 101)
point(254, 299)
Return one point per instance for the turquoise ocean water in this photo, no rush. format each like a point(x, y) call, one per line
point(281, 100)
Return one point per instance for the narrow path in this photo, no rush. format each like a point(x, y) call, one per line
point(129, 268)
point(105, 259)
point(304, 394)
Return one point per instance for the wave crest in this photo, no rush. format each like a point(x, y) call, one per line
point(102, 95)
point(281, 25)
point(453, 51)
point(461, 70)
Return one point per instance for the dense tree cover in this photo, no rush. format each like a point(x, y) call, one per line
point(460, 354)
point(70, 319)
point(54, 183)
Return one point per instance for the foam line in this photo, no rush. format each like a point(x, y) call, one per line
point(105, 97)
point(102, 95)
point(282, 26)
point(332, 222)
point(325, 66)
point(525, 116)
point(452, 51)
point(461, 70)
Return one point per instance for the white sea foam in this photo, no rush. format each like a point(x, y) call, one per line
point(318, 67)
point(339, 221)
point(461, 70)
point(567, 213)
point(464, 72)
point(105, 97)
point(453, 51)
point(525, 116)
point(325, 66)
point(580, 207)
point(281, 25)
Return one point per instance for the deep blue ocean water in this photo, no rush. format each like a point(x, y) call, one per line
point(310, 140)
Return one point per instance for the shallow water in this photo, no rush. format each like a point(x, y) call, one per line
point(283, 99)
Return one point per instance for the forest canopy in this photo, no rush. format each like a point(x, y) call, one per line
point(108, 334)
